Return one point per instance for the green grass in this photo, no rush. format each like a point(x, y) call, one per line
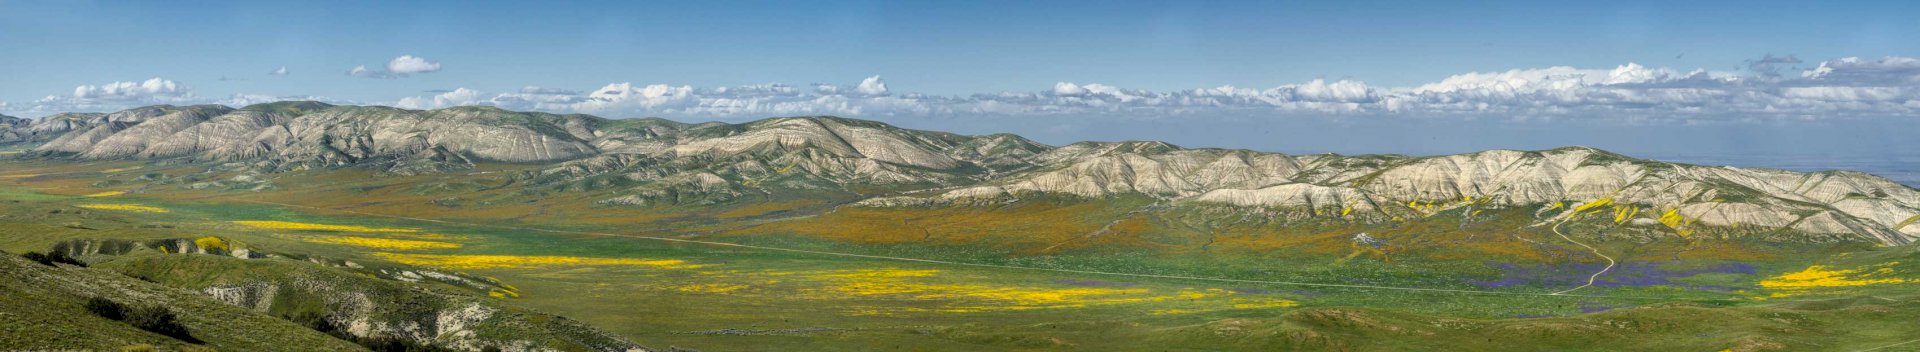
point(44, 311)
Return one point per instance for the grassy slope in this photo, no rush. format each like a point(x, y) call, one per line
point(305, 287)
point(43, 309)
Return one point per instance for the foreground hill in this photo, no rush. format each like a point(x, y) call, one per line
point(231, 297)
point(45, 306)
point(650, 162)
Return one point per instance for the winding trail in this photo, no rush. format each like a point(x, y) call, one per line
point(1596, 251)
point(1000, 266)
point(1104, 229)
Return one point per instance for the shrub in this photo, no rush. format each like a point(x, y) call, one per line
point(38, 258)
point(106, 308)
point(61, 257)
point(50, 259)
point(159, 320)
point(390, 344)
point(318, 322)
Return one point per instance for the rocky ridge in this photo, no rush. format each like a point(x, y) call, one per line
point(656, 161)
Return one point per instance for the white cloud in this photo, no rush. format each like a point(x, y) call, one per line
point(282, 71)
point(151, 88)
point(1839, 88)
point(872, 86)
point(114, 96)
point(117, 95)
point(1068, 89)
point(363, 71)
point(397, 68)
point(457, 97)
point(409, 64)
point(539, 90)
point(1892, 70)
point(241, 100)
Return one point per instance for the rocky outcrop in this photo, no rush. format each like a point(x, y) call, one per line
point(47, 128)
point(13, 129)
point(203, 245)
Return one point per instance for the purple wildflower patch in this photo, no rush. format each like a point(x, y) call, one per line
point(1589, 307)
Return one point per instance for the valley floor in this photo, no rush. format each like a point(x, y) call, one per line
point(749, 278)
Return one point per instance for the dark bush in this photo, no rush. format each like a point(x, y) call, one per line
point(61, 257)
point(106, 308)
point(51, 258)
point(389, 344)
point(38, 258)
point(159, 320)
point(318, 322)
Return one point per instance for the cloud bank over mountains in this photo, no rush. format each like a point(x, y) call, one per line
point(1839, 88)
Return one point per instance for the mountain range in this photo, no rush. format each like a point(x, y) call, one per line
point(650, 161)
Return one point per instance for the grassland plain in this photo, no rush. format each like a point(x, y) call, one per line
point(1673, 294)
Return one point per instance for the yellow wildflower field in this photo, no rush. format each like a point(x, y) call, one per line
point(210, 242)
point(380, 243)
point(1820, 277)
point(289, 225)
point(710, 288)
point(459, 262)
point(124, 207)
point(967, 296)
point(105, 194)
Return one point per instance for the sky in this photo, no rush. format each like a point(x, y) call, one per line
point(1409, 77)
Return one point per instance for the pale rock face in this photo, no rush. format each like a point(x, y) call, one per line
point(453, 325)
point(787, 133)
point(831, 136)
point(471, 131)
point(1730, 214)
point(1295, 195)
point(50, 127)
point(882, 146)
point(638, 136)
point(79, 141)
point(225, 132)
point(149, 131)
point(1152, 168)
point(998, 151)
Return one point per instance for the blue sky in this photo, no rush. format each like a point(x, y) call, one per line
point(1141, 60)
